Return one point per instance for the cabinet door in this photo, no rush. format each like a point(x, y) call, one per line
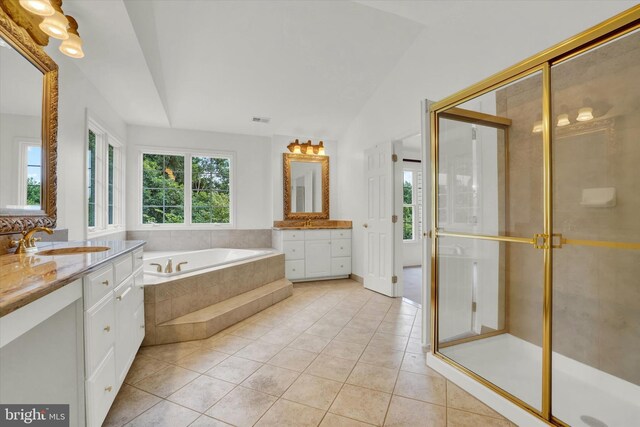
point(125, 331)
point(317, 258)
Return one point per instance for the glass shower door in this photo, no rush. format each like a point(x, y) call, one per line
point(596, 221)
point(490, 277)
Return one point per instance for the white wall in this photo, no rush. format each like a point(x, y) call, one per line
point(252, 175)
point(278, 146)
point(445, 58)
point(76, 95)
point(12, 128)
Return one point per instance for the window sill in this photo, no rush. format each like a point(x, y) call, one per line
point(147, 227)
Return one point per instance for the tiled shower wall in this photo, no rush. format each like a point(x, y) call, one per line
point(181, 240)
point(596, 297)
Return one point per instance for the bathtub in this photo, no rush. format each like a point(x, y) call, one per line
point(208, 278)
point(192, 261)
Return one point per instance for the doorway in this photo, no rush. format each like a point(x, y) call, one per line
point(412, 218)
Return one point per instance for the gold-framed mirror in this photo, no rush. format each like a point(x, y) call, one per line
point(28, 130)
point(306, 186)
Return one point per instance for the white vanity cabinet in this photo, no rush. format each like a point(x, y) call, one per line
point(113, 328)
point(315, 254)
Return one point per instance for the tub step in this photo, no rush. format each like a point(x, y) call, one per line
point(211, 320)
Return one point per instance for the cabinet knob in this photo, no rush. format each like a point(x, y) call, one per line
point(107, 328)
point(293, 250)
point(294, 269)
point(141, 326)
point(365, 225)
point(106, 283)
point(341, 266)
point(108, 388)
point(341, 247)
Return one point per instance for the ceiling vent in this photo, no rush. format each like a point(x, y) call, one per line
point(261, 119)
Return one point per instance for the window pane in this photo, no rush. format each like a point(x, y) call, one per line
point(111, 189)
point(163, 189)
point(407, 233)
point(210, 190)
point(91, 179)
point(34, 175)
point(408, 188)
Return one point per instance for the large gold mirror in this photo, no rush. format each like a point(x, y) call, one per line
point(306, 186)
point(28, 130)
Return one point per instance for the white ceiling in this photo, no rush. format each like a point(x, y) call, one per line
point(212, 65)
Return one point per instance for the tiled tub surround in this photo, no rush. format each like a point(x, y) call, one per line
point(334, 354)
point(180, 240)
point(202, 303)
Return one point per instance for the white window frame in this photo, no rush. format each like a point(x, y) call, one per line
point(24, 144)
point(104, 139)
point(188, 154)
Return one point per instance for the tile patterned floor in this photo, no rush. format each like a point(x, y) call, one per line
point(333, 354)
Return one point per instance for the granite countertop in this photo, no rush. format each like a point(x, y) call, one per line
point(26, 277)
point(317, 224)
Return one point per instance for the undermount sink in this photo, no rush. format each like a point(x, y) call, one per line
point(74, 251)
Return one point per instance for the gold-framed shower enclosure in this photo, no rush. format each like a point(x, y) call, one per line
point(546, 241)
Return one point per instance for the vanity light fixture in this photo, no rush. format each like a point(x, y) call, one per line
point(537, 127)
point(38, 7)
point(585, 114)
point(73, 45)
point(55, 26)
point(563, 120)
point(306, 148)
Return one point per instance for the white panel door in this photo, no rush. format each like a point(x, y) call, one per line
point(379, 229)
point(317, 258)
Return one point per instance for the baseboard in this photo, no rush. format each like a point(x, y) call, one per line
point(357, 278)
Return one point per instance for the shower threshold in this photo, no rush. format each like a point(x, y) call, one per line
point(582, 394)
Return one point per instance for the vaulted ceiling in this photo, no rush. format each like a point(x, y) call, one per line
point(310, 66)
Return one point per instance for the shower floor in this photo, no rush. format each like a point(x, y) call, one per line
point(583, 396)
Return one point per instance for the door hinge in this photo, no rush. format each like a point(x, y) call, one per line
point(474, 307)
point(394, 279)
point(394, 218)
point(394, 158)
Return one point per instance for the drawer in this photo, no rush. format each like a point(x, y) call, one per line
point(341, 247)
point(341, 266)
point(97, 285)
point(317, 234)
point(293, 250)
point(294, 269)
point(292, 235)
point(100, 332)
point(122, 267)
point(137, 259)
point(101, 390)
point(341, 234)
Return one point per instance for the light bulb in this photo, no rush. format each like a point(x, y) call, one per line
point(537, 127)
point(72, 46)
point(296, 149)
point(563, 120)
point(38, 7)
point(56, 26)
point(321, 151)
point(585, 114)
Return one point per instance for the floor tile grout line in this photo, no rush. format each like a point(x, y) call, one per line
point(326, 312)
